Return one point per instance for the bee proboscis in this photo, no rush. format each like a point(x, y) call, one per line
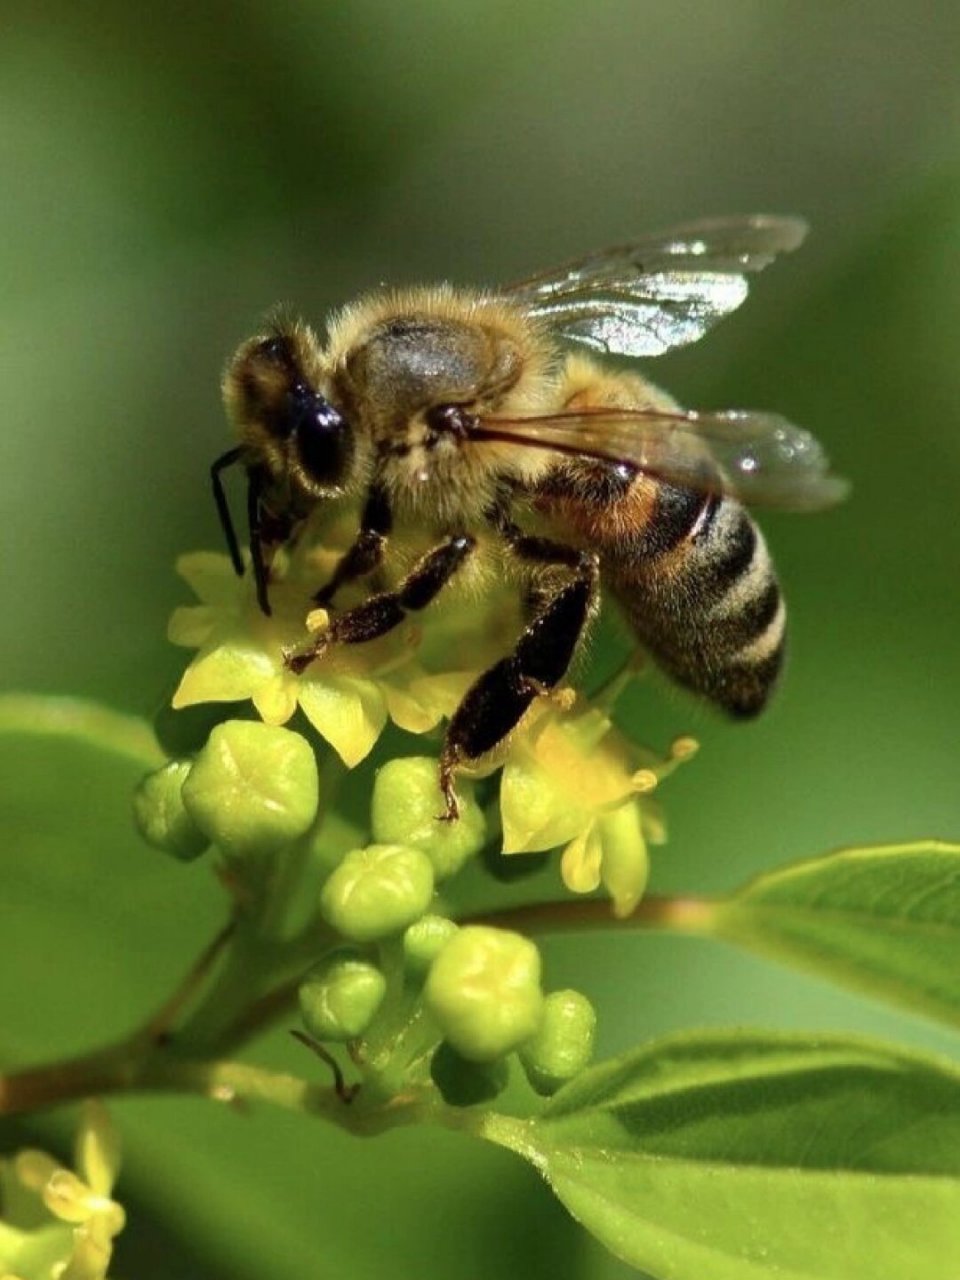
point(467, 412)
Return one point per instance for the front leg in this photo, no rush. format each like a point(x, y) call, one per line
point(268, 530)
point(496, 702)
point(381, 613)
point(366, 552)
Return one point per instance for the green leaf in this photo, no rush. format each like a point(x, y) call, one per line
point(753, 1157)
point(82, 893)
point(97, 929)
point(881, 920)
point(81, 721)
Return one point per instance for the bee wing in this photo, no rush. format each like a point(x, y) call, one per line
point(663, 291)
point(758, 458)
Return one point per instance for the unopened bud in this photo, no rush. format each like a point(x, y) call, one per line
point(339, 996)
point(563, 1043)
point(253, 788)
point(404, 809)
point(423, 942)
point(484, 991)
point(377, 891)
point(160, 814)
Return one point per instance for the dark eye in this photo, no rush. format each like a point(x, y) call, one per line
point(277, 350)
point(324, 440)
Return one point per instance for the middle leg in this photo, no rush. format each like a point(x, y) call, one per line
point(366, 552)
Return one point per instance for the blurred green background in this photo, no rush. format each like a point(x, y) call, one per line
point(170, 172)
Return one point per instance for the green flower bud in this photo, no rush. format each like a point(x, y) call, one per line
point(563, 1044)
point(484, 991)
point(253, 788)
point(377, 891)
point(404, 809)
point(339, 996)
point(423, 942)
point(160, 816)
point(466, 1084)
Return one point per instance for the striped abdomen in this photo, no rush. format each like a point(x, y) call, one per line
point(692, 574)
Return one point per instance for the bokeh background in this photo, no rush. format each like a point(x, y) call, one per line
point(170, 172)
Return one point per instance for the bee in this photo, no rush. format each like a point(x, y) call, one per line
point(469, 412)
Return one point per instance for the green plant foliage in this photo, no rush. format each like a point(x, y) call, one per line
point(104, 926)
point(884, 920)
point(740, 1156)
point(77, 879)
point(75, 720)
point(169, 183)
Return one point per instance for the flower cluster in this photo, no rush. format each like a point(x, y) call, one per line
point(60, 1224)
point(348, 697)
point(415, 993)
point(570, 779)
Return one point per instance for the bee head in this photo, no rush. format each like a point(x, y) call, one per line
point(271, 393)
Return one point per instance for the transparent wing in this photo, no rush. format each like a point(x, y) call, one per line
point(660, 292)
point(758, 458)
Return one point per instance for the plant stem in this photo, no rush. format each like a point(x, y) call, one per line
point(128, 1068)
point(680, 915)
point(125, 1068)
point(163, 1019)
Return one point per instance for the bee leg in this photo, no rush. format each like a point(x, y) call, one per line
point(268, 530)
point(261, 570)
point(223, 509)
point(495, 703)
point(381, 613)
point(367, 550)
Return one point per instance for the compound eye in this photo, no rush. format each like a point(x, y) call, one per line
point(276, 350)
point(324, 440)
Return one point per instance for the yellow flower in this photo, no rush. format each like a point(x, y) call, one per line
point(69, 1218)
point(347, 695)
point(572, 779)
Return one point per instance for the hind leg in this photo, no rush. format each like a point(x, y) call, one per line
point(496, 702)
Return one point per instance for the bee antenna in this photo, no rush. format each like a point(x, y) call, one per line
point(223, 511)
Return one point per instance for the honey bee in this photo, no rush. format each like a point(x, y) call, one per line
point(468, 412)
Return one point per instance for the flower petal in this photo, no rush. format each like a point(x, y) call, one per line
point(210, 576)
point(68, 1197)
point(418, 704)
point(348, 711)
point(191, 625)
point(34, 1168)
point(91, 1252)
point(97, 1151)
point(276, 700)
point(229, 673)
point(408, 712)
point(535, 810)
point(626, 863)
point(580, 862)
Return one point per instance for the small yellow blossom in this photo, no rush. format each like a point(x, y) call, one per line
point(60, 1223)
point(572, 779)
point(347, 695)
